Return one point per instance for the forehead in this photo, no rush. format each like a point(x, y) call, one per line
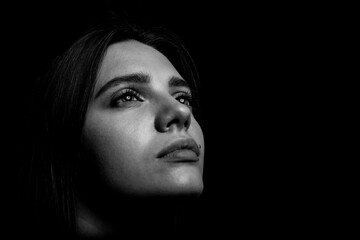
point(132, 56)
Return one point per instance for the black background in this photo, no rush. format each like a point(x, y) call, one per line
point(266, 71)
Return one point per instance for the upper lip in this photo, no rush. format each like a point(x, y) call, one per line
point(187, 143)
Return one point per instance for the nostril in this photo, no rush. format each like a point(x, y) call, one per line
point(170, 123)
point(173, 122)
point(187, 123)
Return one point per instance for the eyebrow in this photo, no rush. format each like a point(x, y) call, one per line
point(177, 82)
point(139, 78)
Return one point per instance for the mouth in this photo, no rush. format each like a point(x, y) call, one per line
point(183, 150)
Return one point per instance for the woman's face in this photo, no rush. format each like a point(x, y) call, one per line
point(139, 126)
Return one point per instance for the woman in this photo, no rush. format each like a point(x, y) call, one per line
point(117, 147)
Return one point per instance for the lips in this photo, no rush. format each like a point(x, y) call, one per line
point(183, 150)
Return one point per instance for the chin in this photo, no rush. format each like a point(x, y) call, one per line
point(185, 183)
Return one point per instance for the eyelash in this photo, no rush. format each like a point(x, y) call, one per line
point(184, 95)
point(131, 95)
point(123, 96)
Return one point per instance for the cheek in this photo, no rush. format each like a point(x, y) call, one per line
point(119, 147)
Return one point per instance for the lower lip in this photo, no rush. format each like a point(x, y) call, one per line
point(183, 156)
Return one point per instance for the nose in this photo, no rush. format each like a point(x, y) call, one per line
point(172, 115)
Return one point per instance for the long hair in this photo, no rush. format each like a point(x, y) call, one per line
point(58, 111)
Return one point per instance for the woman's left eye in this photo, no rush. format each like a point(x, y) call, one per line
point(184, 98)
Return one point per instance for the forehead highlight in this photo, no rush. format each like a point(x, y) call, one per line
point(132, 56)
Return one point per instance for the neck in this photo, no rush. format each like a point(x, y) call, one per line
point(141, 215)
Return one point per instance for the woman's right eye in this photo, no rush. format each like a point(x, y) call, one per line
point(126, 96)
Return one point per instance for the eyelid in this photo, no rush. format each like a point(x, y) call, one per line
point(183, 90)
point(185, 94)
point(115, 97)
point(122, 91)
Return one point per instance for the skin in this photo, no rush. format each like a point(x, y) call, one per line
point(123, 136)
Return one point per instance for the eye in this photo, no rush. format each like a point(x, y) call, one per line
point(184, 98)
point(126, 96)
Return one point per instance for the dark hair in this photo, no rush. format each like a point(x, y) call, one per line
point(58, 111)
